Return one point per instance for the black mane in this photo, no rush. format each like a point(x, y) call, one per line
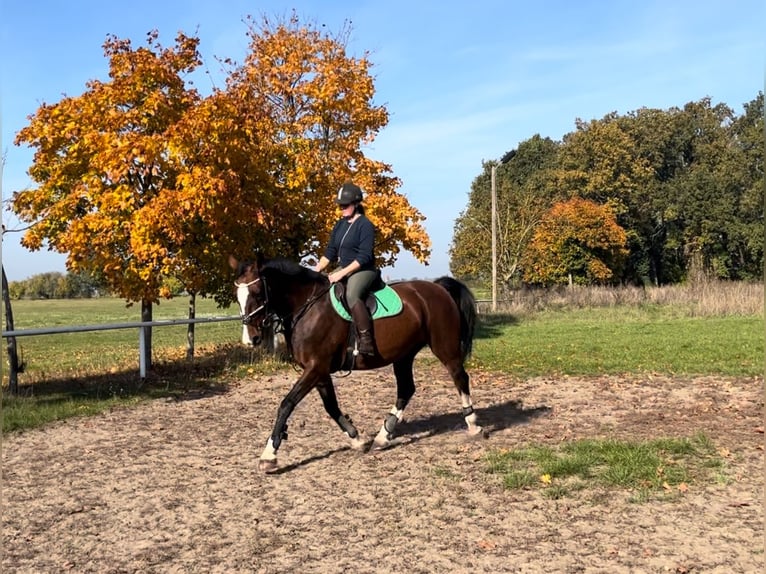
point(295, 271)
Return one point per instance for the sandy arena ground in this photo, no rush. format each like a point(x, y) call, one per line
point(173, 486)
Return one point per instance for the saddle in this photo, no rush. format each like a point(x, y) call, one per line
point(382, 300)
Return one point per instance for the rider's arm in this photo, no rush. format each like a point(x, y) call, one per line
point(323, 263)
point(339, 274)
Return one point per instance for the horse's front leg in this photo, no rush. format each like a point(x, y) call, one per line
point(405, 388)
point(307, 381)
point(330, 401)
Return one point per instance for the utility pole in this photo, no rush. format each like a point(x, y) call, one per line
point(493, 185)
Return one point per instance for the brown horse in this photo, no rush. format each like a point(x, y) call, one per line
point(440, 314)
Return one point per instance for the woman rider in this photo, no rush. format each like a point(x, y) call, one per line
point(351, 245)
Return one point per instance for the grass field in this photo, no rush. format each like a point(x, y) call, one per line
point(620, 340)
point(74, 354)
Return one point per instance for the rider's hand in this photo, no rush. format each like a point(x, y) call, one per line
point(335, 276)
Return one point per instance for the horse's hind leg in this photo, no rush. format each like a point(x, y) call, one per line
point(460, 378)
point(330, 401)
point(405, 388)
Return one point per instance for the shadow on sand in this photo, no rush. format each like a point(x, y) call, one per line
point(493, 418)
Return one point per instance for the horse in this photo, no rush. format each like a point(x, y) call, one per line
point(440, 314)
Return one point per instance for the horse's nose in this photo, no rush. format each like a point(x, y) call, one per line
point(256, 340)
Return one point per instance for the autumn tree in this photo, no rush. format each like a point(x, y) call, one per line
point(577, 241)
point(524, 194)
point(145, 181)
point(101, 161)
point(268, 152)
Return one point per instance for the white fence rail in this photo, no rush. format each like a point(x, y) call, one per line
point(142, 326)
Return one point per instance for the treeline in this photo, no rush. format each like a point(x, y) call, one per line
point(56, 285)
point(648, 197)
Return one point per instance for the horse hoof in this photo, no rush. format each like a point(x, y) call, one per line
point(358, 443)
point(380, 443)
point(478, 433)
point(268, 466)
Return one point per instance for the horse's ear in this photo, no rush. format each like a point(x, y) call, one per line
point(233, 263)
point(259, 259)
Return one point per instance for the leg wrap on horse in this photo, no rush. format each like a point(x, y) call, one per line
point(348, 427)
point(285, 410)
point(468, 411)
point(277, 438)
point(390, 424)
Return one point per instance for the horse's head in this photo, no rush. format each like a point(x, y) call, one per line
point(252, 296)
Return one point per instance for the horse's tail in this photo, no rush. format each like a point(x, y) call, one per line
point(466, 304)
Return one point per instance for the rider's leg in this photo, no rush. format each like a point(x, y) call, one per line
point(357, 288)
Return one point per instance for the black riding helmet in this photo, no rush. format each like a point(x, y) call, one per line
point(349, 193)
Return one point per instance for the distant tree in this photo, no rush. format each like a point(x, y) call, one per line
point(703, 203)
point(746, 233)
point(525, 191)
point(577, 241)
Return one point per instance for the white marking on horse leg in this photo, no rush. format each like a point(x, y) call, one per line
point(386, 432)
point(269, 453)
point(470, 420)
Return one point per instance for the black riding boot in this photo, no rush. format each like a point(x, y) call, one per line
point(363, 323)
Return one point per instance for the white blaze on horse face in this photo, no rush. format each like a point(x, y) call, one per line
point(243, 291)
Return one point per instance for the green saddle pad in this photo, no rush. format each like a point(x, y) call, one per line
point(388, 304)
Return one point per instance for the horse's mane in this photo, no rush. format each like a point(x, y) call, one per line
point(293, 270)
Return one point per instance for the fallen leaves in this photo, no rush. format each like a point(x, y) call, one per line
point(485, 544)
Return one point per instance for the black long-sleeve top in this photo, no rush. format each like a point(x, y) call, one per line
point(352, 241)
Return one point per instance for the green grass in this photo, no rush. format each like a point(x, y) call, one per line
point(80, 374)
point(661, 467)
point(72, 354)
point(620, 340)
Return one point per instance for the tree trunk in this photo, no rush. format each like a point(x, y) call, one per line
point(190, 326)
point(13, 357)
point(146, 316)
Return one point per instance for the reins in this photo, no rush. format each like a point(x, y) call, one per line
point(297, 315)
point(303, 309)
point(276, 319)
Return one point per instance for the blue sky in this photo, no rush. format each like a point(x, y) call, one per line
point(463, 82)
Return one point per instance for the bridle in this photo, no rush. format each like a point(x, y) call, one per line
point(248, 319)
point(283, 325)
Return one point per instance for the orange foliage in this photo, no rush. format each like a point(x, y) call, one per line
point(141, 179)
point(577, 240)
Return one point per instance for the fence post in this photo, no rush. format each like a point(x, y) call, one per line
point(141, 353)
